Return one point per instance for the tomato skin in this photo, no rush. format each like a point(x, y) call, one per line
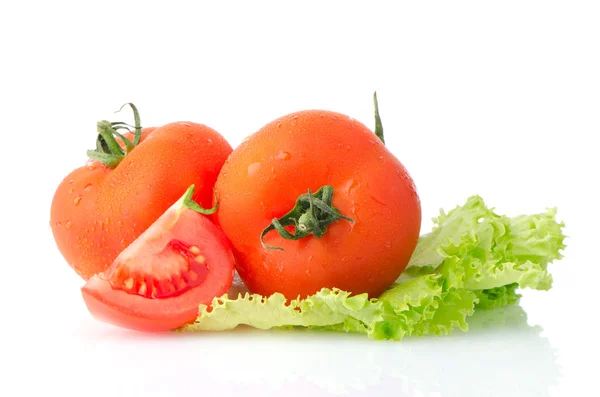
point(112, 304)
point(264, 176)
point(97, 211)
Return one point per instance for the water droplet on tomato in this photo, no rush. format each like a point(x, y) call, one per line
point(68, 224)
point(120, 223)
point(387, 244)
point(58, 224)
point(210, 142)
point(93, 229)
point(262, 205)
point(279, 124)
point(309, 258)
point(71, 191)
point(88, 187)
point(352, 224)
point(283, 155)
point(378, 200)
point(123, 243)
point(71, 181)
point(77, 200)
point(253, 169)
point(344, 258)
point(348, 147)
point(349, 185)
point(91, 167)
point(186, 124)
point(308, 273)
point(107, 221)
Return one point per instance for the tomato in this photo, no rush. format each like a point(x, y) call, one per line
point(362, 245)
point(156, 283)
point(98, 209)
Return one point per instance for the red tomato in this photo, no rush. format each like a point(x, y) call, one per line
point(157, 283)
point(306, 151)
point(99, 209)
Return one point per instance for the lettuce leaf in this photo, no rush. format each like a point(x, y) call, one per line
point(473, 259)
point(327, 307)
point(497, 297)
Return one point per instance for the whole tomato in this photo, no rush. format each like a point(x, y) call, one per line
point(314, 199)
point(129, 181)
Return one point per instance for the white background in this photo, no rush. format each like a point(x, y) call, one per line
point(500, 99)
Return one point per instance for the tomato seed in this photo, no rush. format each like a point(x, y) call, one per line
point(128, 283)
point(143, 289)
point(194, 250)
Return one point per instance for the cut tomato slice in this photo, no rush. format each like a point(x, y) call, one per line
point(158, 281)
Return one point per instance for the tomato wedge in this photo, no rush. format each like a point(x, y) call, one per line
point(156, 284)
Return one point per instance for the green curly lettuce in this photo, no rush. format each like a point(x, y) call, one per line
point(473, 259)
point(325, 308)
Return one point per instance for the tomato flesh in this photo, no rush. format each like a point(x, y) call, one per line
point(157, 283)
point(185, 264)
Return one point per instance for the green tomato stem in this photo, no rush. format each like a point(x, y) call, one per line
point(378, 125)
point(191, 204)
point(108, 150)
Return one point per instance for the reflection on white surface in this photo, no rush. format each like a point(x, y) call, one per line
point(500, 356)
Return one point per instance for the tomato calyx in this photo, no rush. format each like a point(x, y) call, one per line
point(311, 215)
point(108, 150)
